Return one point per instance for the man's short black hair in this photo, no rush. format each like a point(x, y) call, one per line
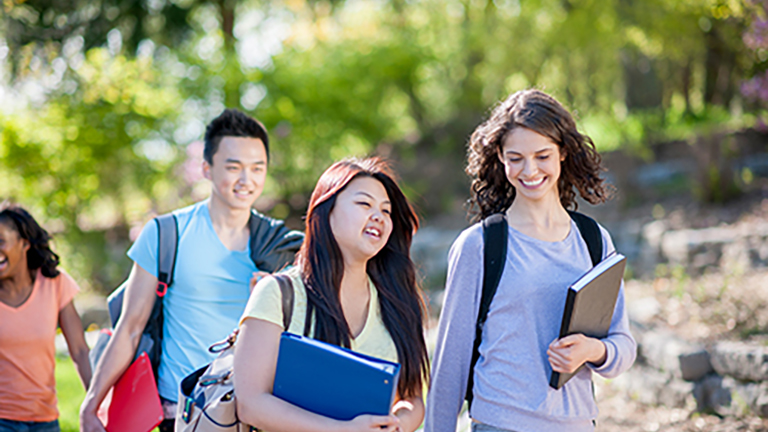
point(232, 123)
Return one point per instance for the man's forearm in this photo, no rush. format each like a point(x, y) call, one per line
point(116, 358)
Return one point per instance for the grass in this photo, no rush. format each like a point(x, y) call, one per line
point(70, 393)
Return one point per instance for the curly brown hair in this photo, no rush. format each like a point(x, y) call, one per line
point(543, 114)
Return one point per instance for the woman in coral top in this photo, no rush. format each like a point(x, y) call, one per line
point(35, 298)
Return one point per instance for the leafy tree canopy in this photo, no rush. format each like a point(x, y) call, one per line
point(105, 101)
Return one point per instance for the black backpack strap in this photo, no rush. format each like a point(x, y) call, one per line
point(494, 257)
point(286, 291)
point(167, 246)
point(168, 239)
point(591, 234)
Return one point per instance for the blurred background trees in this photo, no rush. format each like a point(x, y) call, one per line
point(103, 103)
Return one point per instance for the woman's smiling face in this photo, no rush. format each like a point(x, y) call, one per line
point(13, 251)
point(531, 164)
point(361, 219)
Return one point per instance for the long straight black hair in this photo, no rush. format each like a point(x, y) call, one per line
point(391, 270)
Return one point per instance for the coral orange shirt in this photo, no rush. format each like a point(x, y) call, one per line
point(27, 384)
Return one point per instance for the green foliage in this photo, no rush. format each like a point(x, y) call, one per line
point(94, 159)
point(46, 26)
point(126, 86)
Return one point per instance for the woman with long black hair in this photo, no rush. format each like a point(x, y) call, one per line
point(354, 286)
point(35, 298)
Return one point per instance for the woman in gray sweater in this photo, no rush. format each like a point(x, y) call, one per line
point(528, 161)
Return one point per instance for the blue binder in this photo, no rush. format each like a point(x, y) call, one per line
point(332, 381)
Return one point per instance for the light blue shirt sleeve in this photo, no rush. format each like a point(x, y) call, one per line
point(144, 250)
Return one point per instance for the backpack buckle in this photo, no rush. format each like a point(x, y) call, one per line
point(187, 413)
point(162, 289)
point(208, 380)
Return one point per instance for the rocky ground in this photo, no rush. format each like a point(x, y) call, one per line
point(619, 413)
point(704, 310)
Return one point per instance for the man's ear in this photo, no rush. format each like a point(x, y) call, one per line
point(206, 170)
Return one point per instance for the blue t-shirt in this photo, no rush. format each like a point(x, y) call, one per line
point(207, 298)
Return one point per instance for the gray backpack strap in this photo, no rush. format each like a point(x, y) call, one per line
point(286, 290)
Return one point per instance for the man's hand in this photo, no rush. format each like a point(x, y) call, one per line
point(89, 422)
point(569, 353)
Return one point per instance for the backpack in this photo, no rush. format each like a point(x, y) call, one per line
point(494, 256)
point(272, 246)
point(207, 396)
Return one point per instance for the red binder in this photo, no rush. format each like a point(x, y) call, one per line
point(132, 404)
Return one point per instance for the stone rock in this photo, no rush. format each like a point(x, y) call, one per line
point(712, 396)
point(668, 353)
point(739, 246)
point(755, 395)
point(430, 252)
point(743, 361)
point(643, 310)
point(696, 249)
point(695, 365)
point(727, 396)
point(649, 386)
point(650, 246)
point(675, 394)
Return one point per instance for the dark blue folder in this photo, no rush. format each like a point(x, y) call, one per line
point(332, 381)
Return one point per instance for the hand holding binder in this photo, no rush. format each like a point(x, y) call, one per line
point(589, 305)
point(132, 404)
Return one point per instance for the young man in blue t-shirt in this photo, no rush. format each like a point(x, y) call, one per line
point(212, 272)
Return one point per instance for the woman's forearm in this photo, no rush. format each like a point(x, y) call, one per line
point(83, 366)
point(268, 412)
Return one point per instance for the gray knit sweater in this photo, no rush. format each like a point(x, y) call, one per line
point(511, 389)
